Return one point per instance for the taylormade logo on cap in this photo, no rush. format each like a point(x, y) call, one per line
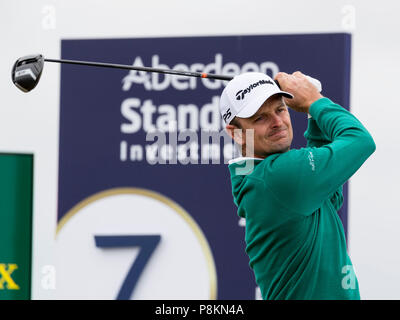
point(241, 93)
point(246, 93)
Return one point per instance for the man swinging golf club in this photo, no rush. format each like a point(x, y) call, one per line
point(294, 237)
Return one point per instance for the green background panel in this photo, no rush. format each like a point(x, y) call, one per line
point(16, 176)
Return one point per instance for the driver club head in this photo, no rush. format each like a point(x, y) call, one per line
point(26, 72)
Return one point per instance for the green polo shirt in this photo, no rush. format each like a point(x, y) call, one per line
point(294, 237)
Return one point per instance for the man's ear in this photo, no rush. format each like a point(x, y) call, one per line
point(235, 133)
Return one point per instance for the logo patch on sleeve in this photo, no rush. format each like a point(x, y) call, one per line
point(311, 159)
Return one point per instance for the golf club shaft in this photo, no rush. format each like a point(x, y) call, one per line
point(146, 69)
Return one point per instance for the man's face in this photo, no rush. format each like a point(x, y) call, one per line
point(273, 132)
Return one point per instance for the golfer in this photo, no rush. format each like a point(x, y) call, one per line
point(290, 197)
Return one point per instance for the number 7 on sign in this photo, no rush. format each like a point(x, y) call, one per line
point(147, 246)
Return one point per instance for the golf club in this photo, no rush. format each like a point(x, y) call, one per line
point(27, 71)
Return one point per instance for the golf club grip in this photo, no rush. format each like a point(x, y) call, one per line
point(315, 82)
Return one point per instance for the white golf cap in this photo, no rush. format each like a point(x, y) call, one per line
point(246, 93)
